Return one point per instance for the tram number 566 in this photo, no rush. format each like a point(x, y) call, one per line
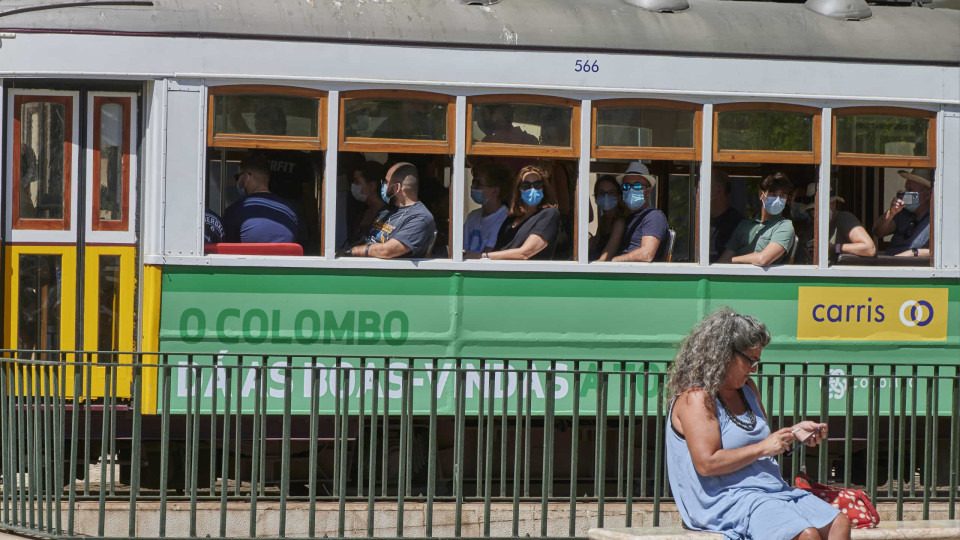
point(586, 66)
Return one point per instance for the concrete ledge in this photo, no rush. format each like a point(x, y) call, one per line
point(908, 530)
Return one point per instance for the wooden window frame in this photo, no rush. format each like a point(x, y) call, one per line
point(374, 144)
point(811, 157)
point(523, 150)
point(124, 222)
point(21, 223)
point(648, 152)
point(279, 142)
point(880, 160)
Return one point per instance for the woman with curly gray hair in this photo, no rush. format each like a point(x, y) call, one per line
point(720, 449)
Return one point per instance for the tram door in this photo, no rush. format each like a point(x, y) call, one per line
point(70, 229)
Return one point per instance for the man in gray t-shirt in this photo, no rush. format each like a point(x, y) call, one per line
point(402, 229)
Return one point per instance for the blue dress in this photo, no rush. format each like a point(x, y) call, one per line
point(752, 503)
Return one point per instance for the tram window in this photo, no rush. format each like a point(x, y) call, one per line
point(394, 118)
point(266, 114)
point(883, 135)
point(877, 198)
point(521, 124)
point(42, 169)
point(490, 216)
point(293, 181)
point(359, 195)
point(673, 195)
point(108, 327)
point(767, 131)
point(745, 218)
point(38, 310)
point(885, 165)
point(646, 127)
point(111, 167)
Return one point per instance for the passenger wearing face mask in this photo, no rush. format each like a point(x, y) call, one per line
point(260, 216)
point(909, 223)
point(530, 231)
point(645, 231)
point(365, 189)
point(403, 227)
point(610, 224)
point(491, 190)
point(768, 240)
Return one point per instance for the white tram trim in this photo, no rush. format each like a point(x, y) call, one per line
point(568, 267)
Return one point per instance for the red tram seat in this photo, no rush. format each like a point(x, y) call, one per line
point(289, 250)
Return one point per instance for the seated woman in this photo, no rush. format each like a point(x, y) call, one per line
point(612, 219)
point(720, 449)
point(365, 189)
point(530, 231)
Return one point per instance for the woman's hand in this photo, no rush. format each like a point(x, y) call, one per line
point(803, 430)
point(777, 442)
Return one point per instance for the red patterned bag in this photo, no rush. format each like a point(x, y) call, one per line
point(852, 502)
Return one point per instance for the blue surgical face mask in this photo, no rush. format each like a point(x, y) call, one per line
point(383, 193)
point(357, 191)
point(912, 207)
point(240, 191)
point(606, 202)
point(634, 198)
point(532, 196)
point(477, 196)
point(774, 205)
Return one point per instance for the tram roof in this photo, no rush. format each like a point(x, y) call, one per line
point(905, 35)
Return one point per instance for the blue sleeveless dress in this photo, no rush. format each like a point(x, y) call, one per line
point(752, 503)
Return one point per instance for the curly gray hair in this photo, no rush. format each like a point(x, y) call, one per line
point(705, 354)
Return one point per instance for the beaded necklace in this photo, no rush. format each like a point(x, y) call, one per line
point(751, 417)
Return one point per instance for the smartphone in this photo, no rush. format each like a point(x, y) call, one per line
point(911, 197)
point(801, 443)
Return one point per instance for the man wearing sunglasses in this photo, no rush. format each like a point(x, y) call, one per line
point(404, 228)
point(646, 231)
point(260, 216)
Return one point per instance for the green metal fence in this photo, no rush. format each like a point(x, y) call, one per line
point(74, 435)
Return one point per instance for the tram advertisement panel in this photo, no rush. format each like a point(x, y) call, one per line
point(550, 326)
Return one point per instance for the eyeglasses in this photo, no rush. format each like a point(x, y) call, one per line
point(538, 184)
point(753, 363)
point(636, 186)
point(603, 192)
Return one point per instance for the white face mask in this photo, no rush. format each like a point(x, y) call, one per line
point(357, 191)
point(774, 205)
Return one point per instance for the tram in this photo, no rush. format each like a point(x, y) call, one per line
point(124, 124)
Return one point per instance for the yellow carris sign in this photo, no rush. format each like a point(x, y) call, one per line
point(872, 313)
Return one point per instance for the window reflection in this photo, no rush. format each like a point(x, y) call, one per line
point(517, 123)
point(395, 119)
point(644, 126)
point(882, 134)
point(108, 327)
point(765, 130)
point(38, 309)
point(111, 162)
point(42, 167)
point(265, 114)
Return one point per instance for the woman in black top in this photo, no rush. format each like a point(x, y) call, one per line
point(530, 230)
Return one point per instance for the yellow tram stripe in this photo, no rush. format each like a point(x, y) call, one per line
point(150, 341)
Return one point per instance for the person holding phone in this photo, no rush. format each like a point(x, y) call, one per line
point(908, 218)
point(721, 449)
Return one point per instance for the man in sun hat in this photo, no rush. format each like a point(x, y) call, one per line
point(909, 223)
point(646, 233)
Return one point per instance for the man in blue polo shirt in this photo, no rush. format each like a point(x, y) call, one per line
point(260, 216)
point(646, 232)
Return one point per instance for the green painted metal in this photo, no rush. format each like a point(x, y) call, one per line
point(483, 317)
